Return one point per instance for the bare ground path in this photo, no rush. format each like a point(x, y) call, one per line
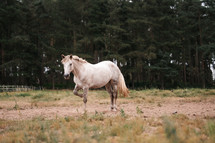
point(192, 107)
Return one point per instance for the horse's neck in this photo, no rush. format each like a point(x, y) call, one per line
point(78, 69)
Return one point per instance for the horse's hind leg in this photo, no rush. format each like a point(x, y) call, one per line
point(111, 87)
point(115, 93)
point(110, 91)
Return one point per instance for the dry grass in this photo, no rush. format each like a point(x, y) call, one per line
point(99, 126)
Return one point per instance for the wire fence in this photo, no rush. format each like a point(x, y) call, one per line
point(11, 88)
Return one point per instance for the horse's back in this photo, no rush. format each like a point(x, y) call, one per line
point(108, 64)
point(113, 68)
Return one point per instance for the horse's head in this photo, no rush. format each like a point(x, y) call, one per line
point(67, 64)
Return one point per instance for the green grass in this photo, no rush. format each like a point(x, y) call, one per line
point(210, 128)
point(173, 93)
point(49, 95)
point(23, 95)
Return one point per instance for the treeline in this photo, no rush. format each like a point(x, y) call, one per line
point(156, 43)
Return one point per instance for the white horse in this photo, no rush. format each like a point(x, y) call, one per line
point(88, 76)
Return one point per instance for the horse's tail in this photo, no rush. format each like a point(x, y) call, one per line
point(122, 87)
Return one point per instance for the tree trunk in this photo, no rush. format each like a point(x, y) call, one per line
point(203, 74)
point(74, 42)
point(132, 79)
point(2, 62)
point(202, 69)
point(162, 80)
point(197, 65)
point(52, 42)
point(149, 76)
point(96, 56)
point(53, 82)
point(184, 68)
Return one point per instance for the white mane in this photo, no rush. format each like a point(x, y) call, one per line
point(79, 59)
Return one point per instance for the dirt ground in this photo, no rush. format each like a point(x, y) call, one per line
point(191, 107)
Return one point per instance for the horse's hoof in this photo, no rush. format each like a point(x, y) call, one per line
point(116, 107)
point(113, 109)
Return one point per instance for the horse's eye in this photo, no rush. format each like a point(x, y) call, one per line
point(70, 64)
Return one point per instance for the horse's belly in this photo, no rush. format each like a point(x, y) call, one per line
point(93, 82)
point(99, 80)
point(96, 86)
point(99, 84)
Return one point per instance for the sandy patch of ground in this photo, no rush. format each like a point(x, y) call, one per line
point(191, 107)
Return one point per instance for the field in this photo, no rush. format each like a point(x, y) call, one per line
point(149, 116)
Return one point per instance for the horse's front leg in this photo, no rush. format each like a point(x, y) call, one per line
point(75, 91)
point(85, 91)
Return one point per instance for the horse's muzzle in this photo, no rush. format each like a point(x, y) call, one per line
point(66, 76)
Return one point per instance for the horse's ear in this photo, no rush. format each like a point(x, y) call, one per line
point(62, 56)
point(70, 56)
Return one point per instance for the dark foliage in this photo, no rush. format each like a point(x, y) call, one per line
point(156, 43)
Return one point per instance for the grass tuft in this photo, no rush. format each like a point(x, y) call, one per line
point(38, 96)
point(122, 113)
point(23, 95)
point(98, 116)
point(138, 110)
point(210, 128)
point(170, 130)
